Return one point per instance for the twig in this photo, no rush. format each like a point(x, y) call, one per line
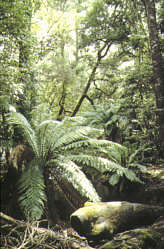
point(33, 235)
point(41, 231)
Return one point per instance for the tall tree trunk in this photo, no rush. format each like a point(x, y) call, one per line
point(64, 84)
point(158, 68)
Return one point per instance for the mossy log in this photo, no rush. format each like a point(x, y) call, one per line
point(151, 237)
point(102, 220)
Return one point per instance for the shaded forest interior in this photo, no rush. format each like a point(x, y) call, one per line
point(82, 119)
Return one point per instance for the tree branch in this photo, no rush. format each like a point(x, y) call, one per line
point(91, 77)
point(29, 235)
point(90, 100)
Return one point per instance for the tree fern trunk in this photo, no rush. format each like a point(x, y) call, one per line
point(62, 198)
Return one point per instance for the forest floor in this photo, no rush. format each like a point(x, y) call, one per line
point(17, 234)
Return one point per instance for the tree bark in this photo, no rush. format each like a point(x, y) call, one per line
point(158, 67)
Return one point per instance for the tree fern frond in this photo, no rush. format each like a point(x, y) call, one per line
point(54, 123)
point(95, 117)
point(114, 179)
point(130, 174)
point(108, 148)
point(77, 178)
point(56, 131)
point(141, 167)
point(114, 155)
point(76, 133)
point(86, 142)
point(74, 121)
point(77, 144)
point(21, 121)
point(114, 118)
point(45, 132)
point(31, 188)
point(99, 163)
point(69, 139)
point(133, 155)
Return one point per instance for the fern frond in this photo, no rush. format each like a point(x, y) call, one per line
point(133, 155)
point(127, 173)
point(77, 144)
point(99, 163)
point(114, 155)
point(19, 120)
point(77, 178)
point(54, 123)
point(107, 149)
point(77, 133)
point(85, 142)
point(31, 188)
point(114, 179)
point(141, 167)
point(130, 174)
point(96, 117)
point(45, 132)
point(74, 121)
point(95, 143)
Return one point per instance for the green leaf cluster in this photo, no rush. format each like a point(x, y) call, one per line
point(31, 189)
point(70, 148)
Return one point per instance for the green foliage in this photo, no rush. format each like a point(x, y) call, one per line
point(73, 174)
point(128, 160)
point(31, 189)
point(104, 22)
point(54, 69)
point(27, 130)
point(16, 47)
point(48, 140)
point(112, 116)
point(69, 147)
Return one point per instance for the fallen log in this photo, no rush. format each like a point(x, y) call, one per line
point(105, 219)
point(151, 237)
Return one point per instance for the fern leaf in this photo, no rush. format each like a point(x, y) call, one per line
point(114, 155)
point(77, 178)
point(130, 175)
point(114, 179)
point(31, 188)
point(89, 143)
point(133, 155)
point(77, 133)
point(21, 121)
point(141, 167)
point(99, 163)
point(45, 132)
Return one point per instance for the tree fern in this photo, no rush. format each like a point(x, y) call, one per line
point(70, 147)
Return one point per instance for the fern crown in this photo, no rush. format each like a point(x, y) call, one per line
point(70, 147)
